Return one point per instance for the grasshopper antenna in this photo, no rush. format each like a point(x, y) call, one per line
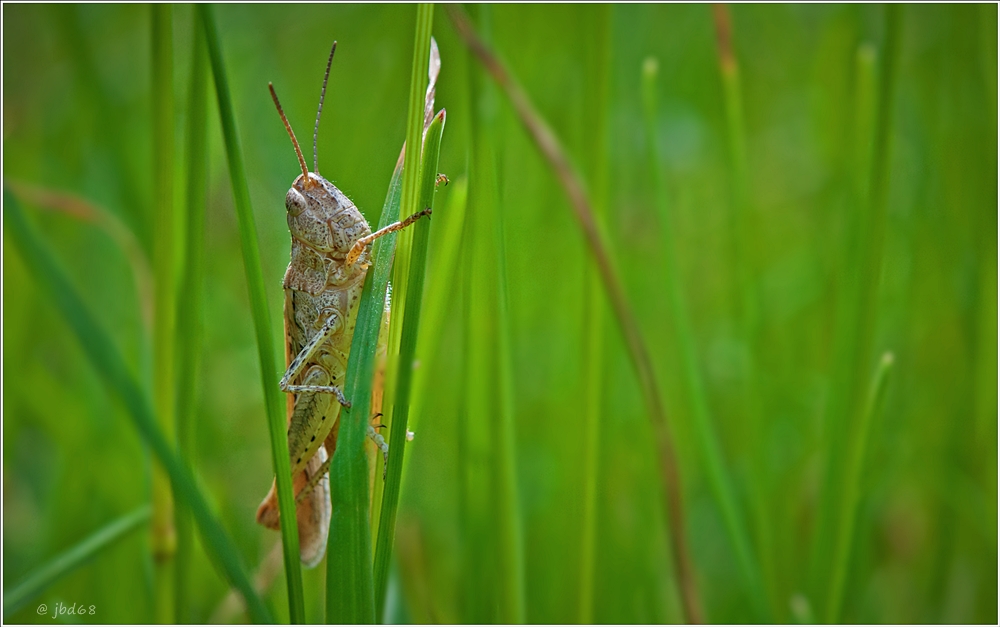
point(288, 127)
point(322, 95)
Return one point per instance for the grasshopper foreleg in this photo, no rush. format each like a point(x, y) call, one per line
point(305, 356)
point(359, 246)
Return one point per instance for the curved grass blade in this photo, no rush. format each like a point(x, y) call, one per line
point(851, 500)
point(262, 320)
point(65, 563)
point(100, 350)
point(407, 350)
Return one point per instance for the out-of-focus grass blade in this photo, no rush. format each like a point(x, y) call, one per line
point(407, 350)
point(851, 501)
point(350, 594)
point(15, 598)
point(697, 398)
point(860, 313)
point(100, 350)
point(491, 509)
point(262, 321)
point(189, 308)
point(597, 112)
point(440, 288)
point(164, 538)
point(758, 570)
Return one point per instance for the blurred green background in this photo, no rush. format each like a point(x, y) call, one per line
point(77, 120)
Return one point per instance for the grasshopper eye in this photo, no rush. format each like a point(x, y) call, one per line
point(294, 202)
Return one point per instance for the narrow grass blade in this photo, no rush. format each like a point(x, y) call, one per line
point(856, 326)
point(552, 150)
point(164, 539)
point(492, 507)
point(596, 122)
point(65, 563)
point(851, 500)
point(697, 398)
point(189, 308)
point(350, 593)
point(759, 575)
point(261, 318)
point(440, 287)
point(100, 350)
point(424, 98)
point(407, 350)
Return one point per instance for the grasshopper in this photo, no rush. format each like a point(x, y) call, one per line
point(330, 256)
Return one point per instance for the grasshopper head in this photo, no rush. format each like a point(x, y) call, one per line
point(324, 224)
point(322, 217)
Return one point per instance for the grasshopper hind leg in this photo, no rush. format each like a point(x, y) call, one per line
point(312, 508)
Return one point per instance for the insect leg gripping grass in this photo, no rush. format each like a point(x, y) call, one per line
point(330, 256)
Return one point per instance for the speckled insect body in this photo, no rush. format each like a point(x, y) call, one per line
point(331, 244)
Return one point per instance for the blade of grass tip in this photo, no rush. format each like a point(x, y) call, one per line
point(189, 310)
point(74, 557)
point(596, 109)
point(350, 594)
point(638, 352)
point(101, 352)
point(164, 539)
point(764, 597)
point(851, 500)
point(261, 319)
point(846, 314)
point(862, 313)
point(401, 264)
point(693, 384)
point(407, 350)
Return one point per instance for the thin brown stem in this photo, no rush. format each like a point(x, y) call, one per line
point(551, 149)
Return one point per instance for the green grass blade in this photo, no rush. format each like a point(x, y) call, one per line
point(851, 501)
point(100, 350)
point(440, 287)
point(262, 321)
point(492, 502)
point(597, 111)
point(189, 311)
point(420, 108)
point(759, 575)
point(407, 351)
point(68, 561)
point(856, 326)
point(350, 593)
point(164, 539)
point(707, 440)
